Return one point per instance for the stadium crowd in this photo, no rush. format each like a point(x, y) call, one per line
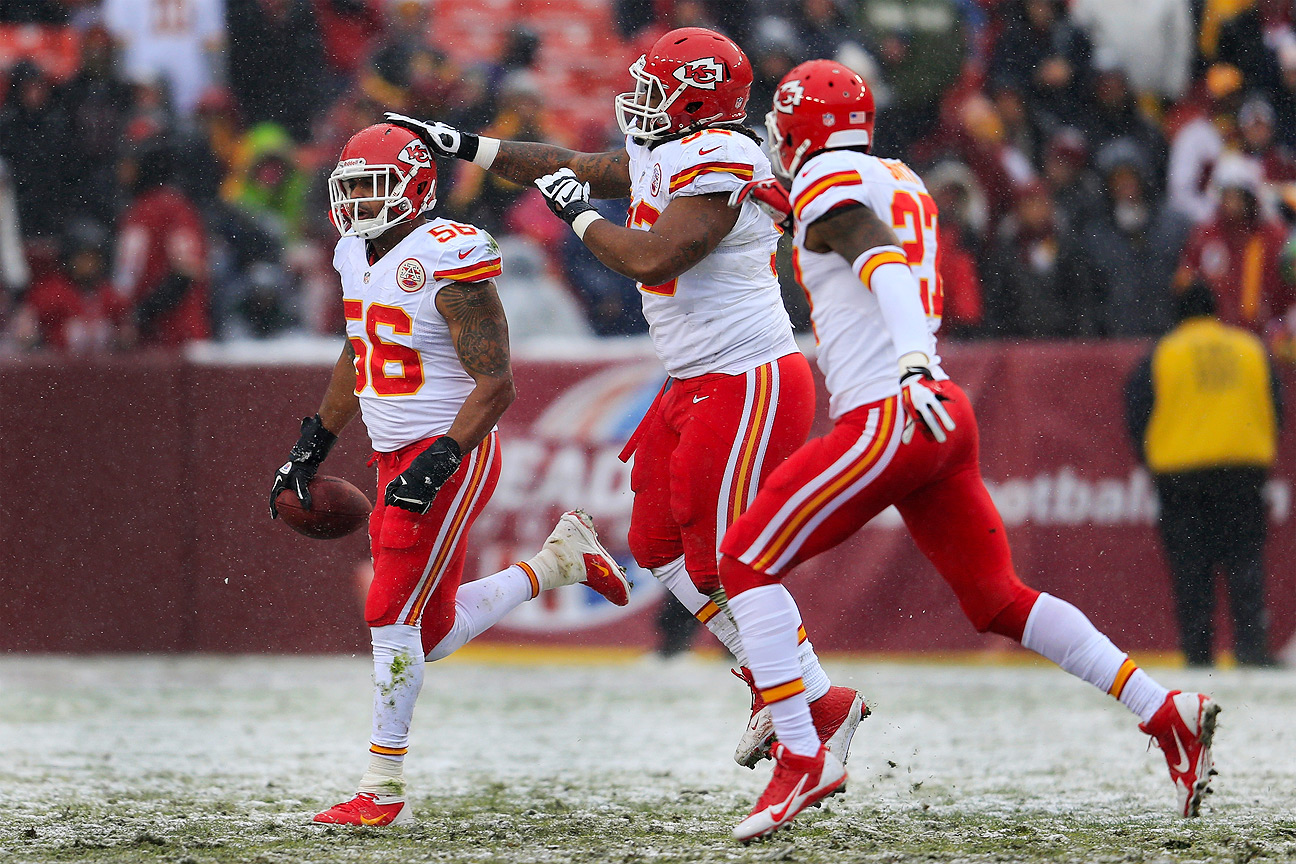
point(163, 162)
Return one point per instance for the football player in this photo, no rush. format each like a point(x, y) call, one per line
point(426, 362)
point(740, 397)
point(904, 435)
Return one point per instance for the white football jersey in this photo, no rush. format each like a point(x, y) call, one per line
point(725, 314)
point(408, 377)
point(856, 353)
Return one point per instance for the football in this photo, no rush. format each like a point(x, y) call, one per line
point(337, 509)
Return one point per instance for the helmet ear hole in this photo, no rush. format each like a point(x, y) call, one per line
point(692, 107)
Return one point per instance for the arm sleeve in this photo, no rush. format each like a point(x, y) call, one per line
point(885, 272)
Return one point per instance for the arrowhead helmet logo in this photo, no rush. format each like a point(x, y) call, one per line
point(416, 154)
point(703, 74)
point(788, 96)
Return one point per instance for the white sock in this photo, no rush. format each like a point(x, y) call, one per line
point(1061, 632)
point(813, 674)
point(481, 604)
point(708, 610)
point(398, 677)
point(385, 777)
point(768, 621)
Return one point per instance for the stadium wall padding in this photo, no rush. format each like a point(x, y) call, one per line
point(134, 514)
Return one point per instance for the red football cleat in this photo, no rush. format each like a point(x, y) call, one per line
point(368, 809)
point(1184, 727)
point(798, 782)
point(836, 715)
point(582, 558)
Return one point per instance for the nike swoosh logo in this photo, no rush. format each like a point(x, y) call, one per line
point(465, 254)
point(377, 820)
point(712, 150)
point(1183, 754)
point(777, 814)
point(697, 399)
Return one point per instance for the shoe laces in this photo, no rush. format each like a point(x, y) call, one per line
point(745, 675)
point(354, 804)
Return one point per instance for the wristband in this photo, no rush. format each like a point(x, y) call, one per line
point(487, 150)
point(582, 222)
point(914, 360)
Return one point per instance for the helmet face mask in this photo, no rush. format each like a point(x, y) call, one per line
point(690, 78)
point(385, 176)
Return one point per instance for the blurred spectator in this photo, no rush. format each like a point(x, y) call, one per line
point(14, 273)
point(267, 184)
point(644, 20)
point(1204, 410)
point(347, 30)
point(1256, 137)
point(481, 198)
point(919, 47)
point(1200, 143)
point(177, 41)
point(1284, 94)
point(1152, 41)
point(1075, 189)
point(71, 308)
point(1045, 57)
point(1133, 245)
point(1242, 44)
point(611, 300)
point(35, 140)
point(1038, 284)
point(822, 27)
point(1114, 114)
point(961, 206)
point(276, 62)
point(998, 166)
point(261, 306)
point(160, 273)
point(1238, 252)
point(98, 105)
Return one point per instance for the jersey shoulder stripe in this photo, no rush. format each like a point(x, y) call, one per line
point(740, 170)
point(478, 272)
point(819, 186)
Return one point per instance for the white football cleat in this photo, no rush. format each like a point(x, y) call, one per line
point(1184, 728)
point(798, 782)
point(367, 808)
point(836, 715)
point(582, 558)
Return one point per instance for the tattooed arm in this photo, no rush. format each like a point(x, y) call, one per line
point(849, 231)
point(480, 335)
point(340, 404)
point(522, 162)
point(688, 230)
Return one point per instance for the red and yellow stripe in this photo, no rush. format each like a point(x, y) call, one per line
point(387, 751)
point(485, 455)
point(824, 183)
point(780, 692)
point(531, 574)
point(472, 272)
point(886, 256)
point(1122, 677)
point(688, 175)
point(802, 636)
point(762, 405)
point(845, 478)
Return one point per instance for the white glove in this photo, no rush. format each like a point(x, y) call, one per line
point(441, 138)
point(564, 192)
point(922, 398)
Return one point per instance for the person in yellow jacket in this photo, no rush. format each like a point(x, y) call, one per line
point(1204, 410)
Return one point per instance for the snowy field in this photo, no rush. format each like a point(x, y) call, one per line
point(221, 759)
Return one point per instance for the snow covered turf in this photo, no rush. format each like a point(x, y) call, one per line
point(221, 759)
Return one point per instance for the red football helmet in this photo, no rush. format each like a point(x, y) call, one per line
point(401, 180)
point(819, 105)
point(690, 78)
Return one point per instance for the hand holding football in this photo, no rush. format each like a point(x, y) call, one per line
point(337, 509)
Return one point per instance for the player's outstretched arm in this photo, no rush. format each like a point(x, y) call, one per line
point(688, 230)
point(319, 433)
point(522, 162)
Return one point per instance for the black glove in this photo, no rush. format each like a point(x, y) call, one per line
point(303, 461)
point(416, 487)
point(565, 194)
point(441, 138)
